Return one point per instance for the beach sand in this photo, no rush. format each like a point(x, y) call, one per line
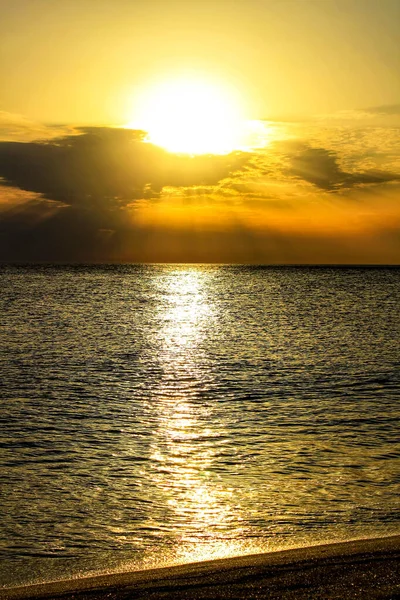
point(356, 569)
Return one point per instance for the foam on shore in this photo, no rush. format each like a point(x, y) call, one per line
point(356, 569)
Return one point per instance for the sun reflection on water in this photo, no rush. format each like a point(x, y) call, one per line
point(187, 437)
point(187, 415)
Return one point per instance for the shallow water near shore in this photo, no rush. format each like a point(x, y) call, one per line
point(163, 414)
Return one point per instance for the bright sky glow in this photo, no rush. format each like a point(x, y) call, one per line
point(261, 147)
point(190, 116)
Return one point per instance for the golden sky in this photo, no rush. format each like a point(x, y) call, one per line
point(271, 131)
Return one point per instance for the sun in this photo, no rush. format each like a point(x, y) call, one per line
point(191, 116)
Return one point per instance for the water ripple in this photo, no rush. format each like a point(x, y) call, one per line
point(190, 412)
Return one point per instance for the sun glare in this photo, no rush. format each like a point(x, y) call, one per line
point(191, 116)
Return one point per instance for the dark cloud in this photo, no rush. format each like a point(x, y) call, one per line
point(81, 190)
point(320, 167)
point(85, 186)
point(36, 231)
point(105, 167)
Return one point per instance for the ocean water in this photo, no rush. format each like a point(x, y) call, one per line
point(162, 414)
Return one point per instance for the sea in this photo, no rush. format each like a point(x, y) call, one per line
point(154, 415)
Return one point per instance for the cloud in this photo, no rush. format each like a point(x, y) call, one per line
point(105, 167)
point(79, 189)
point(320, 167)
point(387, 109)
point(372, 116)
point(17, 128)
point(313, 194)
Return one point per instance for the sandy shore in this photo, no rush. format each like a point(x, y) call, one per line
point(358, 569)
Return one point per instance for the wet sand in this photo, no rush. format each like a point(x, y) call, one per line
point(358, 569)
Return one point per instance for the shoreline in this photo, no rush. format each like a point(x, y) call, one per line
point(364, 569)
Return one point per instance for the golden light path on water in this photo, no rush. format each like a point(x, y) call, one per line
point(187, 440)
point(202, 483)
